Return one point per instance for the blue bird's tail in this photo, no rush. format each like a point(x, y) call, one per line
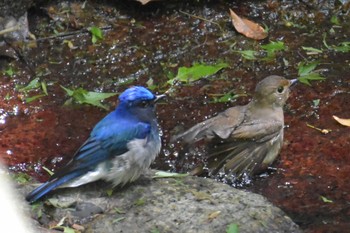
point(47, 187)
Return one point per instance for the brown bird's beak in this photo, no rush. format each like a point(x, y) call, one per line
point(292, 81)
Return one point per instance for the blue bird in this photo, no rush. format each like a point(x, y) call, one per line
point(120, 147)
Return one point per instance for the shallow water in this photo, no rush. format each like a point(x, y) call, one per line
point(143, 43)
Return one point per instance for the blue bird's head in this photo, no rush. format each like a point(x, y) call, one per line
point(140, 102)
point(136, 93)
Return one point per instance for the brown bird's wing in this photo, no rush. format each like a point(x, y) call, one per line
point(251, 147)
point(221, 125)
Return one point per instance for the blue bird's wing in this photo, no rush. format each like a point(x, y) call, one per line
point(104, 143)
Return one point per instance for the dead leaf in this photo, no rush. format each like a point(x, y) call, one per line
point(342, 121)
point(324, 131)
point(144, 2)
point(213, 215)
point(247, 27)
point(70, 44)
point(200, 196)
point(78, 227)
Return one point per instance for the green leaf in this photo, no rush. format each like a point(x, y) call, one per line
point(82, 96)
point(68, 230)
point(39, 213)
point(68, 91)
point(274, 46)
point(109, 192)
point(335, 20)
point(232, 228)
point(96, 34)
point(311, 49)
point(155, 230)
point(44, 87)
point(119, 211)
point(36, 207)
point(247, 54)
point(118, 219)
point(325, 42)
point(343, 47)
point(94, 98)
point(93, 39)
point(9, 71)
point(22, 178)
point(48, 171)
point(34, 84)
point(196, 72)
point(7, 97)
point(326, 200)
point(271, 49)
point(140, 202)
point(163, 174)
point(310, 77)
point(150, 84)
point(33, 98)
point(98, 96)
point(58, 203)
point(316, 103)
point(306, 73)
point(225, 98)
point(304, 69)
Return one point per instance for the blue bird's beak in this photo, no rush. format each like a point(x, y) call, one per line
point(159, 97)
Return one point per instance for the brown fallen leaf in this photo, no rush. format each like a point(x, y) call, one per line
point(342, 121)
point(78, 227)
point(144, 2)
point(213, 215)
point(247, 27)
point(324, 131)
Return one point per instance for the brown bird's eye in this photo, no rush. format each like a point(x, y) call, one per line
point(280, 89)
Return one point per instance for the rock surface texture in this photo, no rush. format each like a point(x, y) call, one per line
point(187, 204)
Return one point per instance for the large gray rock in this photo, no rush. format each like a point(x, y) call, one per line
point(14, 8)
point(188, 204)
point(14, 14)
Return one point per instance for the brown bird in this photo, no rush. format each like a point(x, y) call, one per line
point(244, 140)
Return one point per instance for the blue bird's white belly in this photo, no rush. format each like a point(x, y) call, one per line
point(129, 166)
point(126, 167)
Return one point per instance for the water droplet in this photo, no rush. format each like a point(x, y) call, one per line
point(166, 152)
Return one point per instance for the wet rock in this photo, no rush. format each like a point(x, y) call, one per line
point(13, 18)
point(14, 8)
point(13, 27)
point(189, 204)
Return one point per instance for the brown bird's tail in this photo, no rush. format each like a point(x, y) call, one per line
point(234, 160)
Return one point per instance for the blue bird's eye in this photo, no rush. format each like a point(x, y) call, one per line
point(144, 104)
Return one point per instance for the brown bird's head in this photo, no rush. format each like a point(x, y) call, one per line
point(272, 91)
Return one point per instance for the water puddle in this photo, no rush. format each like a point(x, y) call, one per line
point(144, 45)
